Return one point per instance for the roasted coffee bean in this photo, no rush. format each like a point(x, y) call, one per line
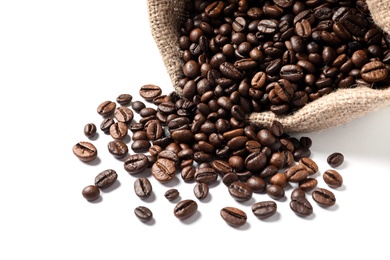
point(255, 161)
point(140, 146)
point(323, 197)
point(90, 130)
point(302, 152)
point(106, 124)
point(136, 163)
point(310, 165)
point(150, 91)
point(229, 71)
point(279, 179)
point(171, 194)
point(118, 130)
point(91, 192)
point(170, 155)
point(240, 191)
point(135, 127)
point(206, 175)
point(137, 106)
point(233, 216)
point(229, 178)
point(142, 188)
point(268, 26)
point(106, 178)
point(106, 108)
point(264, 209)
point(298, 193)
point(201, 190)
point(296, 173)
point(143, 213)
point(188, 173)
point(124, 99)
point(182, 136)
point(275, 191)
point(85, 151)
point(301, 206)
point(308, 184)
point(335, 159)
point(154, 130)
point(256, 183)
point(147, 111)
point(140, 135)
point(333, 178)
point(118, 148)
point(185, 209)
point(163, 170)
point(374, 71)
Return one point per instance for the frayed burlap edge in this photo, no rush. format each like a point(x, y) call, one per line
point(334, 109)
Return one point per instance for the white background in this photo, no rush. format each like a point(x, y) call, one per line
point(58, 61)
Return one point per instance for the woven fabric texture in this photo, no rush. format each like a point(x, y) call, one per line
point(334, 109)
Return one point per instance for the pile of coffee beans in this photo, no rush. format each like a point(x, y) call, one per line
point(200, 143)
point(257, 55)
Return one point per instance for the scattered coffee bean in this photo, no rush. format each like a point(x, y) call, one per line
point(324, 197)
point(275, 191)
point(149, 92)
point(335, 159)
point(333, 178)
point(85, 151)
point(240, 191)
point(264, 209)
point(233, 216)
point(185, 209)
point(142, 188)
point(106, 178)
point(136, 163)
point(91, 193)
point(201, 190)
point(124, 99)
point(118, 148)
point(90, 130)
point(143, 213)
point(163, 170)
point(106, 108)
point(171, 194)
point(301, 206)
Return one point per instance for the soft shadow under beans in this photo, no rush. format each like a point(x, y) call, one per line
point(197, 215)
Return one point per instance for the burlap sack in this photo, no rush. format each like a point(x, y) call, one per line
point(337, 108)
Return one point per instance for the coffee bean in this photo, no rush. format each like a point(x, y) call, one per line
point(264, 209)
point(297, 173)
point(256, 183)
point(106, 178)
point(185, 209)
point(311, 166)
point(106, 124)
point(240, 191)
point(90, 130)
point(206, 175)
point(136, 163)
point(275, 191)
point(323, 197)
point(124, 99)
point(280, 179)
point(188, 173)
point(335, 159)
point(163, 170)
point(140, 146)
point(201, 190)
point(91, 192)
point(333, 178)
point(85, 151)
point(142, 188)
point(374, 71)
point(308, 184)
point(233, 216)
point(137, 106)
point(171, 194)
point(298, 193)
point(143, 213)
point(150, 91)
point(118, 130)
point(301, 206)
point(118, 148)
point(267, 26)
point(106, 108)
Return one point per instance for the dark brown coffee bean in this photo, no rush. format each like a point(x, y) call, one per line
point(135, 127)
point(298, 193)
point(154, 130)
point(124, 99)
point(106, 178)
point(118, 148)
point(229, 71)
point(333, 178)
point(291, 72)
point(279, 179)
point(264, 209)
point(275, 191)
point(118, 130)
point(374, 71)
point(214, 9)
point(310, 165)
point(268, 26)
point(188, 173)
point(140, 146)
point(163, 170)
point(256, 183)
point(91, 192)
point(301, 206)
point(136, 163)
point(303, 29)
point(171, 194)
point(335, 159)
point(185, 209)
point(240, 191)
point(308, 184)
point(201, 190)
point(106, 108)
point(143, 188)
point(149, 92)
point(143, 213)
point(233, 216)
point(137, 106)
point(323, 197)
point(105, 124)
point(297, 173)
point(85, 151)
point(90, 130)
point(170, 155)
point(255, 161)
point(182, 136)
point(206, 175)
